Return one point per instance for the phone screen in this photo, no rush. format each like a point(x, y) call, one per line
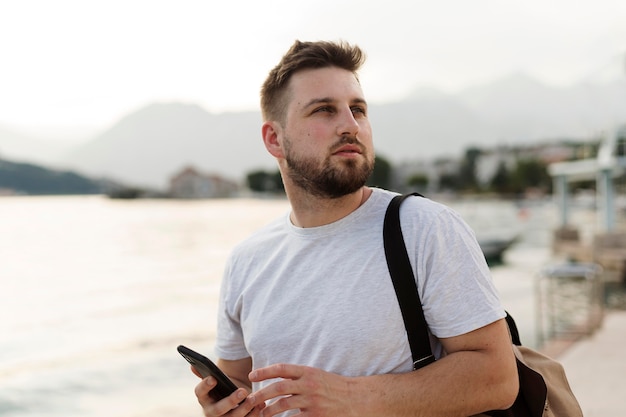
point(206, 368)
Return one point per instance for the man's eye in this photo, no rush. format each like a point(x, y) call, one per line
point(359, 110)
point(323, 109)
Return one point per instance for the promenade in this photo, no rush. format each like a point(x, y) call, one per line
point(596, 368)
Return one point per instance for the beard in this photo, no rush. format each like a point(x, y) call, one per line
point(328, 179)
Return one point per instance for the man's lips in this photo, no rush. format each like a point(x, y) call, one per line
point(348, 149)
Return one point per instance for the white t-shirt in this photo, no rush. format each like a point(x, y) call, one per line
point(323, 296)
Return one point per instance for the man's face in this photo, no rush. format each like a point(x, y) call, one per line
point(327, 141)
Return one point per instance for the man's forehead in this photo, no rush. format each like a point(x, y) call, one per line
point(325, 82)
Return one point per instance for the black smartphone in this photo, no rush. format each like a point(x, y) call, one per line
point(206, 367)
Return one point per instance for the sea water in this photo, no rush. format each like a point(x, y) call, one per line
point(95, 294)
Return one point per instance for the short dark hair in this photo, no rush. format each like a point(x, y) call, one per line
point(305, 55)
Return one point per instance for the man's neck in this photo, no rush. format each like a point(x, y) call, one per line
point(312, 211)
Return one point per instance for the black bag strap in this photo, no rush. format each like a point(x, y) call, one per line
point(406, 288)
point(513, 330)
point(405, 285)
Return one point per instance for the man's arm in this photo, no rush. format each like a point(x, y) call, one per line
point(237, 371)
point(477, 374)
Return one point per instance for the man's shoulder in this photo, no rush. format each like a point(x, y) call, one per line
point(421, 204)
point(271, 232)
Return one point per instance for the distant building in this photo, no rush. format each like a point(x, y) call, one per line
point(7, 192)
point(190, 183)
point(433, 170)
point(487, 164)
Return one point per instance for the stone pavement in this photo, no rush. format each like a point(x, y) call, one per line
point(596, 368)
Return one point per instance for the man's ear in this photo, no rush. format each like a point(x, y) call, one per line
point(271, 132)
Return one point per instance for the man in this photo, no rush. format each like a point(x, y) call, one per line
point(309, 322)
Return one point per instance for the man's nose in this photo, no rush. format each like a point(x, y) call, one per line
point(348, 125)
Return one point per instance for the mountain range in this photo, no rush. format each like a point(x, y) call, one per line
point(148, 146)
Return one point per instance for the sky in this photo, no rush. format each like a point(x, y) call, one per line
point(71, 66)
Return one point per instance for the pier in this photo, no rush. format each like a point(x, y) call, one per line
point(607, 245)
point(595, 363)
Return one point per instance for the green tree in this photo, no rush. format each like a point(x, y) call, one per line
point(467, 172)
point(501, 180)
point(381, 176)
point(418, 180)
point(256, 180)
point(449, 182)
point(530, 173)
point(263, 181)
point(277, 182)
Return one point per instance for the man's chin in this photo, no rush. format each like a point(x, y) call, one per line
point(339, 189)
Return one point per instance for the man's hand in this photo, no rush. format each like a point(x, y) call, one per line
point(477, 374)
point(313, 391)
point(231, 406)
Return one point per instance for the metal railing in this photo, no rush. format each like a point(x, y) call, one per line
point(570, 301)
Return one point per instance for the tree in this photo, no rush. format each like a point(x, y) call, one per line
point(449, 182)
point(263, 181)
point(530, 173)
point(381, 176)
point(501, 181)
point(418, 180)
point(467, 172)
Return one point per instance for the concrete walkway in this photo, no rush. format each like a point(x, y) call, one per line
point(596, 368)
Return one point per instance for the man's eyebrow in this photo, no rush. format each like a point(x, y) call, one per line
point(321, 100)
point(327, 100)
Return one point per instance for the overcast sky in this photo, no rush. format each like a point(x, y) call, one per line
point(85, 64)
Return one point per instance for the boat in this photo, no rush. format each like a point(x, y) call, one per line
point(494, 247)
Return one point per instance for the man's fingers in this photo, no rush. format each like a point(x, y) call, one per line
point(281, 370)
point(195, 372)
point(218, 408)
point(202, 390)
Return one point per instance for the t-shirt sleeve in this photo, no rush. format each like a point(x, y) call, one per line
point(230, 343)
point(456, 289)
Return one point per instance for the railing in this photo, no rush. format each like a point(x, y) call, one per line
point(570, 301)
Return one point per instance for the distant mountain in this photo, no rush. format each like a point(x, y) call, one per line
point(25, 178)
point(148, 146)
point(521, 108)
point(18, 146)
point(424, 126)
